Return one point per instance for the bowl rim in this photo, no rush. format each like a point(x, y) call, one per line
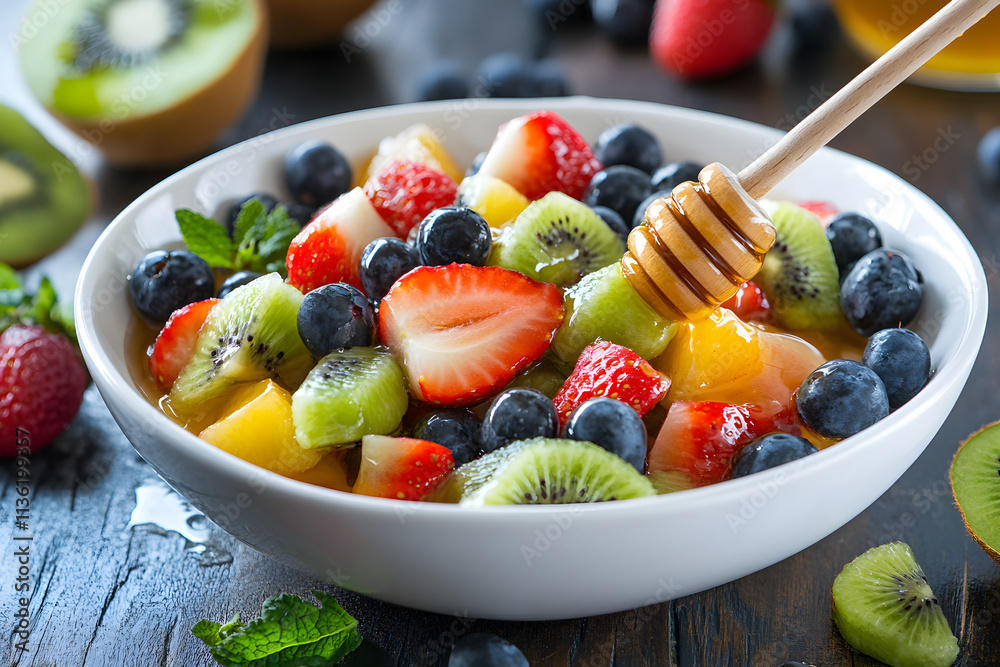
point(100, 364)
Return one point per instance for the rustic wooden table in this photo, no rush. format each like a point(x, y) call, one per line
point(106, 593)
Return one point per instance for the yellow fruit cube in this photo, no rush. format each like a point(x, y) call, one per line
point(417, 143)
point(496, 200)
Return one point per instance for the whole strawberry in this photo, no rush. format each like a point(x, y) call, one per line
point(41, 386)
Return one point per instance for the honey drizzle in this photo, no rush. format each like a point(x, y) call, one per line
point(720, 213)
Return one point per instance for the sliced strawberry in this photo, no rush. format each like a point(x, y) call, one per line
point(750, 304)
point(699, 439)
point(607, 369)
point(539, 153)
point(403, 193)
point(328, 249)
point(463, 332)
point(825, 211)
point(175, 344)
point(402, 468)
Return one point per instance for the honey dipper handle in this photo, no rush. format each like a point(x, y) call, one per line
point(863, 91)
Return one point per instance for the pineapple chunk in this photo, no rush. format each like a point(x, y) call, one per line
point(417, 143)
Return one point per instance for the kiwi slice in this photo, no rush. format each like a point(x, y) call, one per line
point(43, 198)
point(550, 471)
point(883, 606)
point(557, 240)
point(975, 481)
point(250, 335)
point(350, 393)
point(800, 276)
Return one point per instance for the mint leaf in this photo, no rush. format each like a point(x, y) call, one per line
point(289, 633)
point(8, 278)
point(19, 307)
point(249, 214)
point(264, 238)
point(206, 238)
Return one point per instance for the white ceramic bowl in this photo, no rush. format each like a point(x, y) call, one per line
point(557, 561)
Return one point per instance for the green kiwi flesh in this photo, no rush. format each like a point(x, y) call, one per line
point(250, 335)
point(557, 240)
point(799, 275)
point(349, 394)
point(43, 198)
point(975, 481)
point(884, 607)
point(550, 471)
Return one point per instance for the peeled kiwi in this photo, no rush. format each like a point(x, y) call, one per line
point(883, 606)
point(557, 240)
point(43, 198)
point(250, 335)
point(975, 481)
point(800, 276)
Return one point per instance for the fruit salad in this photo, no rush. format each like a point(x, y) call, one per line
point(430, 336)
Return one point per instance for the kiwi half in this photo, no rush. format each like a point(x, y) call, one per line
point(557, 240)
point(883, 606)
point(43, 198)
point(975, 481)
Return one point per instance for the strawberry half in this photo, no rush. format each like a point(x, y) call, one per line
point(403, 193)
point(825, 211)
point(402, 468)
point(462, 332)
point(607, 369)
point(175, 344)
point(328, 249)
point(750, 304)
point(539, 153)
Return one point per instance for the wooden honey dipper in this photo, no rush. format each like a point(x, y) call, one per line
point(707, 238)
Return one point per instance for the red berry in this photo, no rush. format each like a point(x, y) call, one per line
point(404, 193)
point(175, 344)
point(825, 211)
point(750, 304)
point(401, 468)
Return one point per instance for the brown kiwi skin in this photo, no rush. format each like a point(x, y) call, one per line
point(306, 24)
point(990, 551)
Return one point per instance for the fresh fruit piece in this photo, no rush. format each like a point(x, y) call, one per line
point(769, 451)
point(238, 279)
point(256, 426)
point(550, 79)
point(149, 82)
point(884, 607)
point(669, 176)
point(549, 471)
point(610, 424)
point(41, 387)
point(799, 275)
point(604, 306)
point(543, 376)
point(401, 468)
point(462, 332)
point(675, 40)
point(443, 79)
point(619, 187)
point(454, 428)
point(625, 22)
point(815, 27)
point(328, 249)
point(505, 74)
point(630, 145)
point(300, 213)
point(988, 155)
point(383, 262)
point(335, 316)
point(615, 221)
point(269, 202)
point(304, 24)
point(852, 236)
point(901, 360)
point(975, 481)
point(823, 210)
point(670, 481)
point(640, 211)
point(43, 198)
point(317, 173)
point(607, 369)
point(484, 648)
point(518, 414)
point(750, 304)
point(349, 394)
point(163, 282)
point(700, 439)
point(498, 202)
point(175, 343)
point(417, 143)
point(330, 472)
point(841, 398)
point(248, 336)
point(453, 234)
point(404, 193)
point(477, 162)
point(557, 240)
point(882, 291)
point(540, 153)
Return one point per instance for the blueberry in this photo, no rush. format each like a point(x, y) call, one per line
point(506, 74)
point(882, 291)
point(453, 234)
point(901, 358)
point(769, 451)
point(317, 173)
point(625, 21)
point(383, 261)
point(620, 187)
point(988, 155)
point(669, 176)
point(443, 80)
point(640, 210)
point(164, 281)
point(335, 316)
point(611, 424)
point(814, 26)
point(267, 200)
point(518, 414)
point(841, 398)
point(483, 649)
point(852, 236)
point(238, 279)
point(477, 162)
point(550, 79)
point(454, 428)
point(614, 221)
point(630, 145)
point(300, 213)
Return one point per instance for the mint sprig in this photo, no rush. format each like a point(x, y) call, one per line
point(17, 306)
point(288, 633)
